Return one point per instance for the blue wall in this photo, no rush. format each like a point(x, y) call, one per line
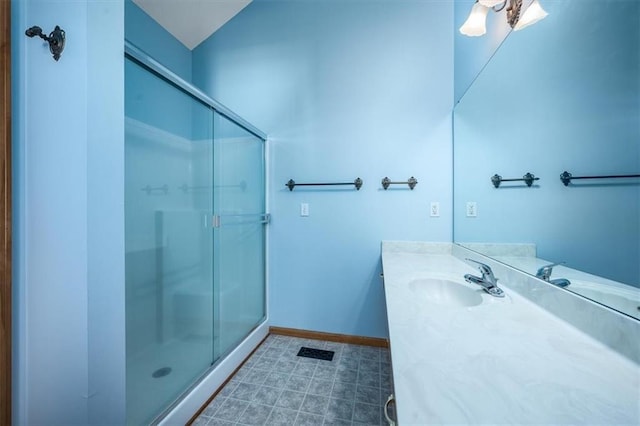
point(343, 91)
point(141, 30)
point(560, 95)
point(68, 215)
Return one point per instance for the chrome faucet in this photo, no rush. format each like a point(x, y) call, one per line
point(544, 273)
point(488, 281)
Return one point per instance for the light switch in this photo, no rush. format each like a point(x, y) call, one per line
point(304, 209)
point(472, 209)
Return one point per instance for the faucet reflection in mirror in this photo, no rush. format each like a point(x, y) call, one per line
point(475, 25)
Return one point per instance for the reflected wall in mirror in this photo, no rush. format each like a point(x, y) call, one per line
point(471, 54)
point(562, 95)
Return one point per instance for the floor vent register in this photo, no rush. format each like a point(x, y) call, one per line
point(316, 353)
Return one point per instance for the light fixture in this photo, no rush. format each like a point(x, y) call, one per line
point(475, 25)
point(533, 14)
point(490, 3)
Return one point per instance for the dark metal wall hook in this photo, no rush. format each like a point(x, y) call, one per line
point(56, 39)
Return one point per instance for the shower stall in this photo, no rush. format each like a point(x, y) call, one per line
point(195, 222)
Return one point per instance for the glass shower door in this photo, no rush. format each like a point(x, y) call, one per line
point(239, 233)
point(168, 242)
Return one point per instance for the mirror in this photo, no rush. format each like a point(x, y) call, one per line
point(471, 54)
point(561, 95)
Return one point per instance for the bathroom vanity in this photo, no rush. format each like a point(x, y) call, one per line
point(462, 356)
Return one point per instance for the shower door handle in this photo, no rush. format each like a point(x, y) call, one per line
point(216, 220)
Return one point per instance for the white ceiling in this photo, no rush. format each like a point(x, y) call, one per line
point(191, 21)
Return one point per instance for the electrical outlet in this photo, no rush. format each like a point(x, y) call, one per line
point(434, 210)
point(304, 209)
point(472, 209)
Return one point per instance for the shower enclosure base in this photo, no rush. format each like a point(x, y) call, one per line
point(155, 373)
point(184, 409)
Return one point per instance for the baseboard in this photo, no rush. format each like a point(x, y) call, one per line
point(331, 337)
point(293, 332)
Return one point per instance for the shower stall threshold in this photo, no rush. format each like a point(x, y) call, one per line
point(184, 409)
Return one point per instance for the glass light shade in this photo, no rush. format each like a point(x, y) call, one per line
point(533, 14)
point(490, 3)
point(476, 23)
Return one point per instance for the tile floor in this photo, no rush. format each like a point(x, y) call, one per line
point(277, 387)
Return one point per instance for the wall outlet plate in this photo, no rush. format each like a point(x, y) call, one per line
point(434, 209)
point(304, 209)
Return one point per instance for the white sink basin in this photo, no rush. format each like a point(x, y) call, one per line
point(445, 293)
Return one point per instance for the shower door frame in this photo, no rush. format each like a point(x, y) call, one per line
point(137, 55)
point(5, 214)
point(219, 372)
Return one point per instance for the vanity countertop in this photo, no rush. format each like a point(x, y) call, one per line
point(504, 361)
